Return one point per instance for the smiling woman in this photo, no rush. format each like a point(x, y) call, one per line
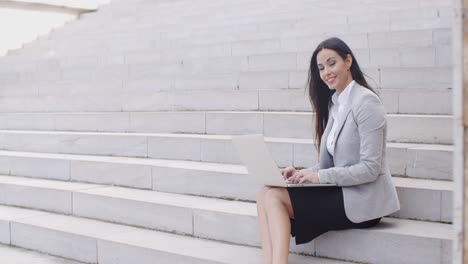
point(350, 121)
point(332, 59)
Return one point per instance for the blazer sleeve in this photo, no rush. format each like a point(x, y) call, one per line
point(314, 168)
point(370, 118)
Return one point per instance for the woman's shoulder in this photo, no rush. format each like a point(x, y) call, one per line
point(365, 100)
point(363, 96)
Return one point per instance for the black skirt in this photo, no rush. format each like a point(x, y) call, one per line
point(318, 210)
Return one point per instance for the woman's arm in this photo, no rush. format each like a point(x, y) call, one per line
point(314, 168)
point(370, 119)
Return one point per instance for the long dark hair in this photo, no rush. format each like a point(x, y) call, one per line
point(319, 93)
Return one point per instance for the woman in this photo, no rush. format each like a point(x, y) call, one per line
point(350, 133)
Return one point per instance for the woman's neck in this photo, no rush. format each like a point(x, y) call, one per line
point(340, 90)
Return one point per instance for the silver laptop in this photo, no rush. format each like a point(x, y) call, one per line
point(256, 157)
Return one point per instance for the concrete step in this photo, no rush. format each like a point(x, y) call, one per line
point(243, 39)
point(401, 128)
point(425, 35)
point(303, 41)
point(81, 239)
point(295, 16)
point(430, 51)
point(269, 18)
point(14, 255)
point(417, 101)
point(256, 86)
point(431, 242)
point(396, 101)
point(252, 13)
point(197, 178)
point(404, 159)
point(133, 87)
point(385, 48)
point(429, 61)
point(191, 212)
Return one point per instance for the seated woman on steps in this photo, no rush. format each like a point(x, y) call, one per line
point(350, 134)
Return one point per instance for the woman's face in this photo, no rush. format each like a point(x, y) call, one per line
point(334, 71)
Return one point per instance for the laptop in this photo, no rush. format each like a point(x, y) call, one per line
point(259, 163)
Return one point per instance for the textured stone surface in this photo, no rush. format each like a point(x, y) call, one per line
point(22, 256)
point(112, 71)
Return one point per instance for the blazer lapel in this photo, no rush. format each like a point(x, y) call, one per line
point(341, 122)
point(346, 111)
point(325, 158)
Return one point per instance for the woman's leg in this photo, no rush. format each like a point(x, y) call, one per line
point(263, 225)
point(279, 212)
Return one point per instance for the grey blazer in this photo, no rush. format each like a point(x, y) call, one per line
point(359, 163)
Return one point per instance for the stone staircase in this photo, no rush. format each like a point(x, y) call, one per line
point(115, 131)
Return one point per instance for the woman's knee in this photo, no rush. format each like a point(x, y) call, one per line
point(279, 197)
point(260, 195)
point(274, 196)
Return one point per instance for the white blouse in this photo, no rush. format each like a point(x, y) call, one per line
point(336, 110)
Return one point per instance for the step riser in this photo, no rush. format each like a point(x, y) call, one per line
point(16, 255)
point(395, 101)
point(421, 162)
point(412, 161)
point(128, 175)
point(400, 128)
point(153, 216)
point(38, 198)
point(440, 205)
point(5, 232)
point(414, 129)
point(195, 182)
point(188, 221)
point(340, 245)
point(57, 243)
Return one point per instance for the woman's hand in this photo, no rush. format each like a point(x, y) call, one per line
point(288, 172)
point(301, 176)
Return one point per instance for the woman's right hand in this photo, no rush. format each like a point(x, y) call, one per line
point(288, 172)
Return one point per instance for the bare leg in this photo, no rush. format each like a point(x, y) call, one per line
point(279, 211)
point(263, 225)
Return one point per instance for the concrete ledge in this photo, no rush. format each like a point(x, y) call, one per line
point(53, 196)
point(401, 128)
point(17, 255)
point(419, 199)
point(80, 239)
point(427, 161)
point(78, 6)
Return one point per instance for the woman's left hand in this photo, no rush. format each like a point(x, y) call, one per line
point(304, 175)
